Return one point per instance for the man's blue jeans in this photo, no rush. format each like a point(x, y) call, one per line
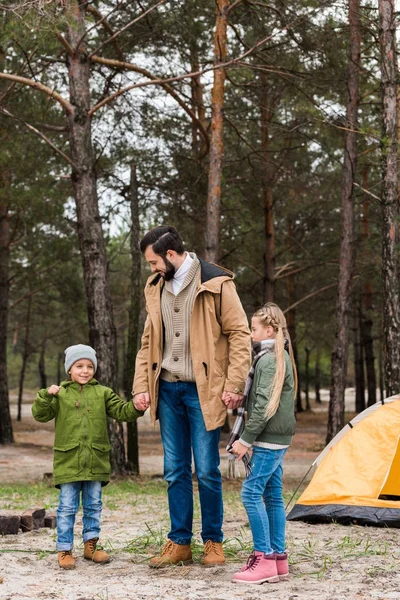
point(68, 507)
point(262, 499)
point(183, 429)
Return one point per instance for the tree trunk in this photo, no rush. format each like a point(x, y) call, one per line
point(367, 305)
point(216, 141)
point(381, 375)
point(347, 243)
point(84, 182)
point(42, 367)
point(318, 377)
point(25, 355)
point(390, 197)
point(291, 320)
point(6, 432)
point(358, 363)
point(307, 378)
point(269, 231)
point(60, 368)
point(368, 344)
point(134, 316)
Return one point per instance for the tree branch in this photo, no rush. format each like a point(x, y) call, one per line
point(103, 21)
point(315, 293)
point(170, 90)
point(111, 38)
point(7, 113)
point(39, 86)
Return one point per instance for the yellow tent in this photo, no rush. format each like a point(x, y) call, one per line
point(358, 474)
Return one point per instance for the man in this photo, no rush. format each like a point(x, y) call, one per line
point(192, 365)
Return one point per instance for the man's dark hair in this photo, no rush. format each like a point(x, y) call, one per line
point(162, 238)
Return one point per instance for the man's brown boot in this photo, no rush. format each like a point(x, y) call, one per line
point(172, 554)
point(91, 553)
point(66, 560)
point(213, 553)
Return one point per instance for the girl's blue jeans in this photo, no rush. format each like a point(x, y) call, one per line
point(68, 507)
point(183, 430)
point(262, 499)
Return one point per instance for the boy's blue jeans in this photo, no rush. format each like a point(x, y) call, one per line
point(68, 507)
point(183, 429)
point(262, 499)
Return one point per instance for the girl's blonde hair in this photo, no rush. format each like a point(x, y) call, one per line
point(271, 314)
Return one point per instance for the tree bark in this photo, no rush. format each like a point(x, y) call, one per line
point(358, 361)
point(347, 243)
point(42, 367)
point(216, 141)
point(307, 378)
point(318, 377)
point(84, 182)
point(367, 305)
point(390, 197)
point(134, 316)
point(291, 320)
point(25, 355)
point(269, 231)
point(6, 431)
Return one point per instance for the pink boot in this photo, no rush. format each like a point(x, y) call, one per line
point(282, 566)
point(260, 568)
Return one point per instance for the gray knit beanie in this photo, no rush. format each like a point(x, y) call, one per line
point(74, 353)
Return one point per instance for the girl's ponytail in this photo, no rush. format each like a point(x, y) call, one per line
point(271, 314)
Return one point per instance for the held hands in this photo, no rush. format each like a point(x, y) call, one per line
point(239, 449)
point(231, 400)
point(141, 401)
point(54, 389)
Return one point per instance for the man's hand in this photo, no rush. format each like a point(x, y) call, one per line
point(141, 401)
point(232, 400)
point(239, 449)
point(54, 389)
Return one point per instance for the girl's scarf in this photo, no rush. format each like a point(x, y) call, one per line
point(259, 349)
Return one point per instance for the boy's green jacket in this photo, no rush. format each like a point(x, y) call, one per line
point(81, 445)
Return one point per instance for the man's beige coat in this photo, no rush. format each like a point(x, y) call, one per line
point(219, 343)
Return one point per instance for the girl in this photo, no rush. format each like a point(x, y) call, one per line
point(272, 385)
point(80, 407)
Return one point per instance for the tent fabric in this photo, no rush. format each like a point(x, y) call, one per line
point(357, 479)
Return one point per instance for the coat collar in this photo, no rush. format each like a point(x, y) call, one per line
point(211, 277)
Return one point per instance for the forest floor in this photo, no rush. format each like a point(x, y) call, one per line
point(326, 561)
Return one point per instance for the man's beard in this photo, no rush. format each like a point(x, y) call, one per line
point(169, 270)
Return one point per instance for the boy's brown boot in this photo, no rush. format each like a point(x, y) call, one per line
point(172, 554)
point(91, 553)
point(213, 553)
point(66, 560)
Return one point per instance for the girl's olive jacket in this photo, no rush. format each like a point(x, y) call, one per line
point(81, 445)
point(281, 427)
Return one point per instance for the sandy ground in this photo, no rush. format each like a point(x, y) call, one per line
point(327, 561)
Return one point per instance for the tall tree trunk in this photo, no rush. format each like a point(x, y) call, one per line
point(134, 316)
point(6, 431)
point(367, 305)
point(358, 361)
point(60, 368)
point(291, 320)
point(269, 231)
point(84, 182)
point(347, 250)
point(318, 377)
point(25, 355)
point(216, 141)
point(381, 374)
point(307, 378)
point(42, 366)
point(390, 197)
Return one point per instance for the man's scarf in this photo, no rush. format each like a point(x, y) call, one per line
point(259, 349)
